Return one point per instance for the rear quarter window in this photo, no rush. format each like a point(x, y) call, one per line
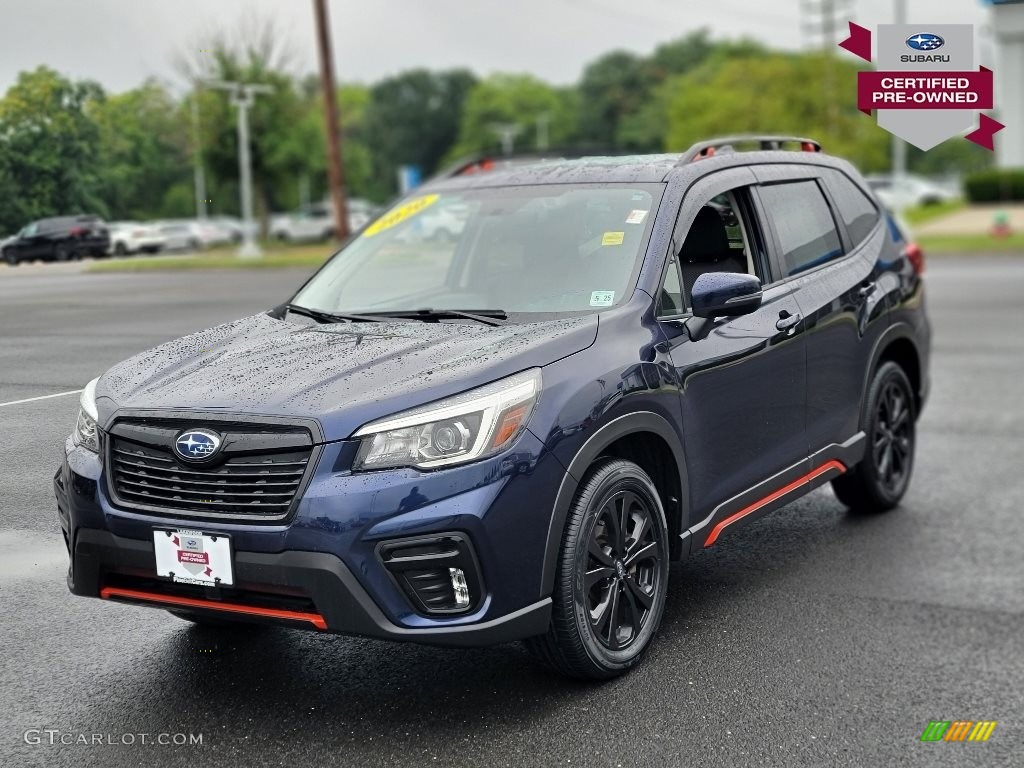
point(856, 210)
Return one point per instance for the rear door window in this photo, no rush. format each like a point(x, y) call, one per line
point(803, 224)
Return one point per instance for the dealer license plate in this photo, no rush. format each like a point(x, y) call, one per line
point(193, 557)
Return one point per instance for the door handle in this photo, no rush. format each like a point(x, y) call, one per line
point(866, 289)
point(787, 321)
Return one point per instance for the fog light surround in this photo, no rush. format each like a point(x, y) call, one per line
point(438, 573)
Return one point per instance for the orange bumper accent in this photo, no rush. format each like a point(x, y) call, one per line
point(829, 465)
point(189, 602)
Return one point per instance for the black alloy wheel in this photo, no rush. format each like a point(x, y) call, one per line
point(611, 577)
point(890, 443)
point(622, 571)
point(881, 478)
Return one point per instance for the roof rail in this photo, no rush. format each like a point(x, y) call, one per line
point(707, 148)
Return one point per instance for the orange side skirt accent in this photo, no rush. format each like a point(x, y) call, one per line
point(190, 602)
point(829, 465)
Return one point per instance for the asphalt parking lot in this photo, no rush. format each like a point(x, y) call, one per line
point(807, 638)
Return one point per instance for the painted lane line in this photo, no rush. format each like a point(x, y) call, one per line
point(41, 397)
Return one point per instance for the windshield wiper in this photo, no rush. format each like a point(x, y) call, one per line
point(485, 316)
point(335, 317)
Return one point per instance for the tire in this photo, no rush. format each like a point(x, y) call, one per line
point(120, 249)
point(577, 644)
point(63, 253)
point(11, 258)
point(193, 245)
point(881, 478)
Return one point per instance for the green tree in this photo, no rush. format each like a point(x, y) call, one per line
point(799, 94)
point(522, 100)
point(49, 158)
point(255, 53)
point(413, 119)
point(144, 150)
point(612, 88)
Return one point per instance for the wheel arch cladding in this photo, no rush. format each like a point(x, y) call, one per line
point(903, 352)
point(648, 440)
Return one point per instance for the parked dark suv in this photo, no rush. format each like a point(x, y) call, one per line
point(58, 239)
point(509, 435)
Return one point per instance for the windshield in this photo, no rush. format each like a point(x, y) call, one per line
point(552, 248)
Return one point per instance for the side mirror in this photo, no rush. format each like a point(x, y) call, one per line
point(725, 293)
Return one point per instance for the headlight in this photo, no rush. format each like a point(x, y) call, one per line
point(470, 426)
point(86, 434)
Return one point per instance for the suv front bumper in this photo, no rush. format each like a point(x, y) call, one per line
point(322, 569)
point(338, 601)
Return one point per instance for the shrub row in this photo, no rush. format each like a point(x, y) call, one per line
point(995, 185)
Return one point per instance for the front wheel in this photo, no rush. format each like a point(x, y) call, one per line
point(881, 478)
point(11, 258)
point(612, 575)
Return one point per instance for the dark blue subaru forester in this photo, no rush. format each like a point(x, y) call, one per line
point(507, 404)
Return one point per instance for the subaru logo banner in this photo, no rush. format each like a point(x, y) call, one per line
point(925, 89)
point(197, 445)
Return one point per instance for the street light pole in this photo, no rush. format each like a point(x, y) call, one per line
point(197, 159)
point(899, 147)
point(242, 97)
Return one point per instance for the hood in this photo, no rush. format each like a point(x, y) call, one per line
point(343, 375)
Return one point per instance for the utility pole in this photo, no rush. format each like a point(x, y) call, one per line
point(899, 147)
point(242, 97)
point(335, 164)
point(197, 159)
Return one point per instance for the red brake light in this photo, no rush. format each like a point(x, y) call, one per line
point(915, 256)
point(76, 231)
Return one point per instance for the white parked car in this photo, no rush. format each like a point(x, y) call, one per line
point(190, 235)
point(316, 222)
point(909, 190)
point(127, 237)
point(313, 223)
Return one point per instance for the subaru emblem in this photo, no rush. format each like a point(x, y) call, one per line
point(197, 445)
point(925, 41)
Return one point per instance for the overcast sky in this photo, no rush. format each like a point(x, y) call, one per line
point(121, 42)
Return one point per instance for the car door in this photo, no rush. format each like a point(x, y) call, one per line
point(31, 242)
point(834, 283)
point(741, 379)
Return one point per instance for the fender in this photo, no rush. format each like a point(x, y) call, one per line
point(638, 421)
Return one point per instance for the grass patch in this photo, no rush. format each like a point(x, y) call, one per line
point(922, 214)
point(274, 257)
point(971, 244)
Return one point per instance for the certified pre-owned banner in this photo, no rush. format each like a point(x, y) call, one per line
point(926, 88)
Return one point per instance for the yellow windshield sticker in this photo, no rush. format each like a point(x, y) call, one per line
point(613, 238)
point(397, 215)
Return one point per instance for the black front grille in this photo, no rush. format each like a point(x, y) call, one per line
point(259, 475)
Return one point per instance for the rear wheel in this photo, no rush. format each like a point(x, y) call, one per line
point(63, 253)
point(120, 249)
point(881, 478)
point(612, 575)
